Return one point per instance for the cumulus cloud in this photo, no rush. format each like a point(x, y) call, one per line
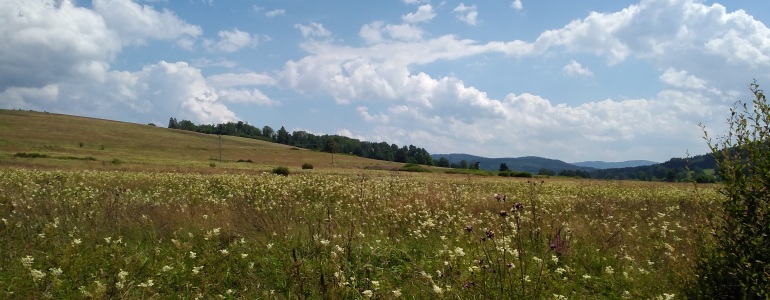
point(275, 13)
point(313, 30)
point(680, 79)
point(466, 14)
point(377, 32)
point(76, 45)
point(64, 41)
point(517, 5)
point(136, 23)
point(424, 13)
point(233, 40)
point(574, 68)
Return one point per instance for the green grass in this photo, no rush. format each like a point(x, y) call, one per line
point(146, 148)
point(156, 215)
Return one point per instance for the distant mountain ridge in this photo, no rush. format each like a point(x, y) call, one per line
point(615, 165)
point(531, 164)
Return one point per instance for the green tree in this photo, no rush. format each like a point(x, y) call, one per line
point(283, 136)
point(737, 265)
point(268, 132)
point(504, 167)
point(173, 124)
point(463, 164)
point(443, 162)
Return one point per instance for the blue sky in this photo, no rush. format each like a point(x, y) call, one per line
point(570, 80)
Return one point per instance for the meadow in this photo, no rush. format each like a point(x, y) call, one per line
point(384, 235)
point(155, 214)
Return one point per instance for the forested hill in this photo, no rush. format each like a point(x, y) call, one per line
point(303, 139)
point(614, 165)
point(701, 168)
point(532, 164)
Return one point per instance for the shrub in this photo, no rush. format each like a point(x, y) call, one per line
point(245, 160)
point(30, 155)
point(522, 174)
point(504, 174)
point(281, 171)
point(307, 166)
point(413, 168)
point(737, 264)
point(116, 161)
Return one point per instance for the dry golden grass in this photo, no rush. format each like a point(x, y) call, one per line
point(137, 147)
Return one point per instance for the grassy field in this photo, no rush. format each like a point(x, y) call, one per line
point(165, 224)
point(85, 143)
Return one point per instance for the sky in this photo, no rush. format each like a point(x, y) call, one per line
point(569, 80)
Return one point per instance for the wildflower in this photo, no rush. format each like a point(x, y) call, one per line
point(490, 234)
point(517, 207)
point(586, 276)
point(244, 255)
point(224, 252)
point(396, 293)
point(437, 289)
point(37, 274)
point(367, 293)
point(609, 270)
point(76, 242)
point(559, 297)
point(468, 228)
point(55, 271)
point(27, 261)
point(197, 270)
point(560, 270)
point(503, 213)
point(269, 246)
point(167, 268)
point(376, 284)
point(192, 254)
point(325, 242)
point(149, 283)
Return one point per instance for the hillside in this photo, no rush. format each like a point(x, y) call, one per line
point(80, 142)
point(614, 165)
point(530, 164)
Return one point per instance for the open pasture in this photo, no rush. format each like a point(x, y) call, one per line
point(344, 235)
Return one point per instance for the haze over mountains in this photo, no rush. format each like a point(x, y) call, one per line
point(533, 163)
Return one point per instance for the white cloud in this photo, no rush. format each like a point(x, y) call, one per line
point(517, 5)
point(313, 30)
point(424, 13)
point(65, 41)
point(227, 80)
point(233, 40)
point(680, 79)
point(249, 96)
point(364, 113)
point(574, 68)
point(377, 32)
point(275, 13)
point(136, 23)
point(467, 14)
point(415, 1)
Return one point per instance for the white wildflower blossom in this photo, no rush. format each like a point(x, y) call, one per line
point(27, 261)
point(37, 275)
point(367, 293)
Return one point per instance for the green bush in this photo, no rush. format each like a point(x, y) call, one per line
point(521, 174)
point(307, 166)
point(736, 264)
point(413, 168)
point(281, 171)
point(30, 155)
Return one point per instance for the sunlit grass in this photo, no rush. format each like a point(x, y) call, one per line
point(344, 234)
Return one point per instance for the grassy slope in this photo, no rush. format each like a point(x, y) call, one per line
point(145, 148)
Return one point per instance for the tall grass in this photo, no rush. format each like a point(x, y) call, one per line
point(314, 235)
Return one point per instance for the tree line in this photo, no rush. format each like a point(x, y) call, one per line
point(306, 140)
